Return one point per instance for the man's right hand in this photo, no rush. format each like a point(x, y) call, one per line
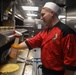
point(16, 46)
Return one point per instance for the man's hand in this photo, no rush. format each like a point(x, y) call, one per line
point(19, 46)
point(16, 46)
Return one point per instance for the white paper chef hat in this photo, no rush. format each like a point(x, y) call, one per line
point(54, 7)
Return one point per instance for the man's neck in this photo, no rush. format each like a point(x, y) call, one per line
point(55, 21)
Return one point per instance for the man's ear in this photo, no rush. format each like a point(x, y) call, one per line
point(52, 12)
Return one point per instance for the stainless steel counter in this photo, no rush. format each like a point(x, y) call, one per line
point(23, 68)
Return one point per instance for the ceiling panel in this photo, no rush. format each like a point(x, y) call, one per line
point(38, 3)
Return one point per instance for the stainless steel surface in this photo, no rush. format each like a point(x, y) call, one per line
point(21, 65)
point(25, 60)
point(36, 70)
point(28, 70)
point(3, 39)
point(24, 68)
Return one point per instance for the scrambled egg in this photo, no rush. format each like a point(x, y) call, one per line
point(9, 68)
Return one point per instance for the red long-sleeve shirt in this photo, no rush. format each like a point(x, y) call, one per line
point(58, 47)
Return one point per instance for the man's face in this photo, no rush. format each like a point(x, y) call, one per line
point(46, 16)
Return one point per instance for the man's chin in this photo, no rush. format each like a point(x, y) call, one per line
point(46, 24)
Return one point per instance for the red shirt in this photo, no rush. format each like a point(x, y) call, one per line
point(58, 47)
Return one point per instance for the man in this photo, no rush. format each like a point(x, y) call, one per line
point(57, 43)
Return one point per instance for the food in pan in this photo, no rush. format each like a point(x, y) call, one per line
point(9, 68)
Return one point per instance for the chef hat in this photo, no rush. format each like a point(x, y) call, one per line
point(54, 7)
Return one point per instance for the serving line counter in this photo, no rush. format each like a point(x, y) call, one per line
point(27, 68)
point(24, 69)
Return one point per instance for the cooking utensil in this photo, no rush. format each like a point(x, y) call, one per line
point(24, 60)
